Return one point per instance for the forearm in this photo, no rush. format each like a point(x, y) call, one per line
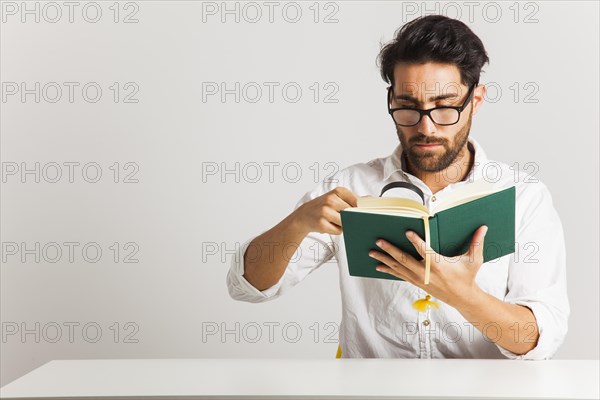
point(511, 326)
point(268, 255)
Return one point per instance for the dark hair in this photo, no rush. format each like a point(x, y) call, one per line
point(435, 38)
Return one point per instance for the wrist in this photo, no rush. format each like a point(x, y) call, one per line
point(296, 224)
point(468, 298)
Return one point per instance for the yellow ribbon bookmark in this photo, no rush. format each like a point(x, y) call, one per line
point(422, 305)
point(427, 247)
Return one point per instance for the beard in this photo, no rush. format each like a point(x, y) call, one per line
point(438, 159)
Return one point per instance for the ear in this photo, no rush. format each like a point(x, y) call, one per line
point(478, 97)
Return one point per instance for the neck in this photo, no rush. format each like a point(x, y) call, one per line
point(437, 181)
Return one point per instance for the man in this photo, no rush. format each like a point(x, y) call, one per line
point(513, 307)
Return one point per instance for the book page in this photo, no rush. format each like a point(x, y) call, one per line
point(403, 212)
point(408, 207)
point(390, 206)
point(390, 202)
point(465, 193)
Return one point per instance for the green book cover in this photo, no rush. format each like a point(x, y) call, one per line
point(451, 231)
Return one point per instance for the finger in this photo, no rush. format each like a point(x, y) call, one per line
point(418, 243)
point(401, 257)
point(392, 263)
point(346, 195)
point(476, 247)
point(333, 216)
point(332, 228)
point(398, 274)
point(329, 222)
point(338, 204)
point(384, 258)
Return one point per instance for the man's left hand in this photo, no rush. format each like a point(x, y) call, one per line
point(451, 279)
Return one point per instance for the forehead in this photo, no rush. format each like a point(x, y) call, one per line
point(428, 77)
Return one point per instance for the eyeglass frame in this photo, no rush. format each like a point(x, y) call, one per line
point(429, 110)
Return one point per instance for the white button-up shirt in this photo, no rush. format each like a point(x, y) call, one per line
point(378, 320)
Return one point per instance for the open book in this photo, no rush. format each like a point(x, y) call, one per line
point(447, 227)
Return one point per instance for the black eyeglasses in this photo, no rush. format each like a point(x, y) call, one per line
point(445, 115)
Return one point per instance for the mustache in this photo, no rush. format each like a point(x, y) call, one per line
point(426, 141)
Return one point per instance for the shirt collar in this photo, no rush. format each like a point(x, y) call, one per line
point(397, 162)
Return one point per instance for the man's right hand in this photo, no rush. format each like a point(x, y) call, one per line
point(322, 214)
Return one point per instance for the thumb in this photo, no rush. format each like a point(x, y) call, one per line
point(476, 248)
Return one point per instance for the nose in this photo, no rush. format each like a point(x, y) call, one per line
point(426, 126)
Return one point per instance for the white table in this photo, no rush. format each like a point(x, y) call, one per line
point(304, 378)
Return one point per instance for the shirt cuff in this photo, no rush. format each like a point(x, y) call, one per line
point(550, 337)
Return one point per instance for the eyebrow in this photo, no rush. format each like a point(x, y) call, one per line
point(431, 99)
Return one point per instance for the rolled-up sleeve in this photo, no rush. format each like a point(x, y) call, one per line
point(537, 272)
point(315, 250)
point(239, 288)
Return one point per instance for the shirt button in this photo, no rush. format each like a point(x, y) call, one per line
point(426, 322)
point(433, 198)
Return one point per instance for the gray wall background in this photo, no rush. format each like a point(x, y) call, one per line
point(166, 214)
